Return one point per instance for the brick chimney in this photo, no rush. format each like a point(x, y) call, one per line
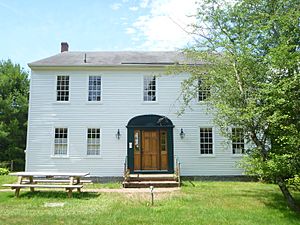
point(64, 47)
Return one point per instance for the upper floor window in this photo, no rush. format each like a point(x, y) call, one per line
point(62, 88)
point(238, 144)
point(94, 88)
point(206, 141)
point(203, 91)
point(149, 88)
point(61, 141)
point(93, 141)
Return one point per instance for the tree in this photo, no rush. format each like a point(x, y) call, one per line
point(14, 92)
point(251, 50)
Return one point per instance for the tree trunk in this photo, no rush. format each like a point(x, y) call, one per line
point(259, 144)
point(287, 195)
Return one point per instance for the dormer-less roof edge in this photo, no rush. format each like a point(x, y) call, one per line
point(32, 65)
point(115, 59)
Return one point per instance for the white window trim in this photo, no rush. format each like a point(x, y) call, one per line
point(214, 142)
point(156, 90)
point(87, 90)
point(55, 91)
point(86, 143)
point(53, 155)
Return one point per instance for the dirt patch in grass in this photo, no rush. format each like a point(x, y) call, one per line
point(131, 190)
point(144, 196)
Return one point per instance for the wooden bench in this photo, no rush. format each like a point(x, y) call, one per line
point(68, 187)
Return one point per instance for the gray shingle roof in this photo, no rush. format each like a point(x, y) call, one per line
point(114, 58)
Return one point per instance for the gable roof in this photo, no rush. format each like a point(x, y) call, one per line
point(114, 58)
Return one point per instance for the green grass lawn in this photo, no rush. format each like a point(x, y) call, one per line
point(213, 203)
point(7, 180)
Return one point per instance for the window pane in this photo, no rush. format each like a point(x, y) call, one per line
point(93, 142)
point(61, 141)
point(94, 88)
point(149, 88)
point(203, 91)
point(62, 88)
point(163, 141)
point(137, 141)
point(238, 145)
point(206, 141)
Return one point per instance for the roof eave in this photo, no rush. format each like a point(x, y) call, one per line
point(32, 65)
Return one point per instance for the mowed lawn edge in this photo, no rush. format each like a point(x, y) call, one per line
point(196, 203)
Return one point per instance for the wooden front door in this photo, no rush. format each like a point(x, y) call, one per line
point(150, 150)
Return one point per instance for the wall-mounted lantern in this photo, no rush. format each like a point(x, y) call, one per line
point(182, 134)
point(118, 134)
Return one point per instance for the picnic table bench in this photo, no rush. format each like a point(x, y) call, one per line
point(50, 180)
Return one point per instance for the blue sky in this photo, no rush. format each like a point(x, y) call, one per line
point(34, 29)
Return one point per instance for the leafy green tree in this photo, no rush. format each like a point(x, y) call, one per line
point(14, 92)
point(251, 55)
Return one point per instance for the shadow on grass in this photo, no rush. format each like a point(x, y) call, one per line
point(59, 195)
point(273, 200)
point(188, 183)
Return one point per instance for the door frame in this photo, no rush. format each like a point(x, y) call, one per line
point(150, 122)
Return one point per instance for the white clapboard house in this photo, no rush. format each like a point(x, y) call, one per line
point(94, 111)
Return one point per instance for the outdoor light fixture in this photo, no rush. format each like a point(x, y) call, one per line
point(118, 134)
point(182, 134)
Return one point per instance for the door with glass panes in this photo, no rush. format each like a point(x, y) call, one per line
point(150, 150)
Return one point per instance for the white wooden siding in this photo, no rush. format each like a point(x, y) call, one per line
point(121, 100)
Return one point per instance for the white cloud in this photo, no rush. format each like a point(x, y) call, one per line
point(133, 8)
point(115, 6)
point(164, 28)
point(130, 30)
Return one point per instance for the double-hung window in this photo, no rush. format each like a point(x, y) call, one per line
point(206, 141)
point(61, 141)
point(62, 88)
point(203, 90)
point(94, 89)
point(93, 141)
point(149, 88)
point(238, 144)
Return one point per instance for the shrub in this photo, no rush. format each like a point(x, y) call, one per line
point(4, 171)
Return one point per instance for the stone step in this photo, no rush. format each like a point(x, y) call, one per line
point(151, 177)
point(145, 184)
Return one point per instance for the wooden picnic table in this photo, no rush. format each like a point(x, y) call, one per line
point(29, 180)
point(31, 175)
